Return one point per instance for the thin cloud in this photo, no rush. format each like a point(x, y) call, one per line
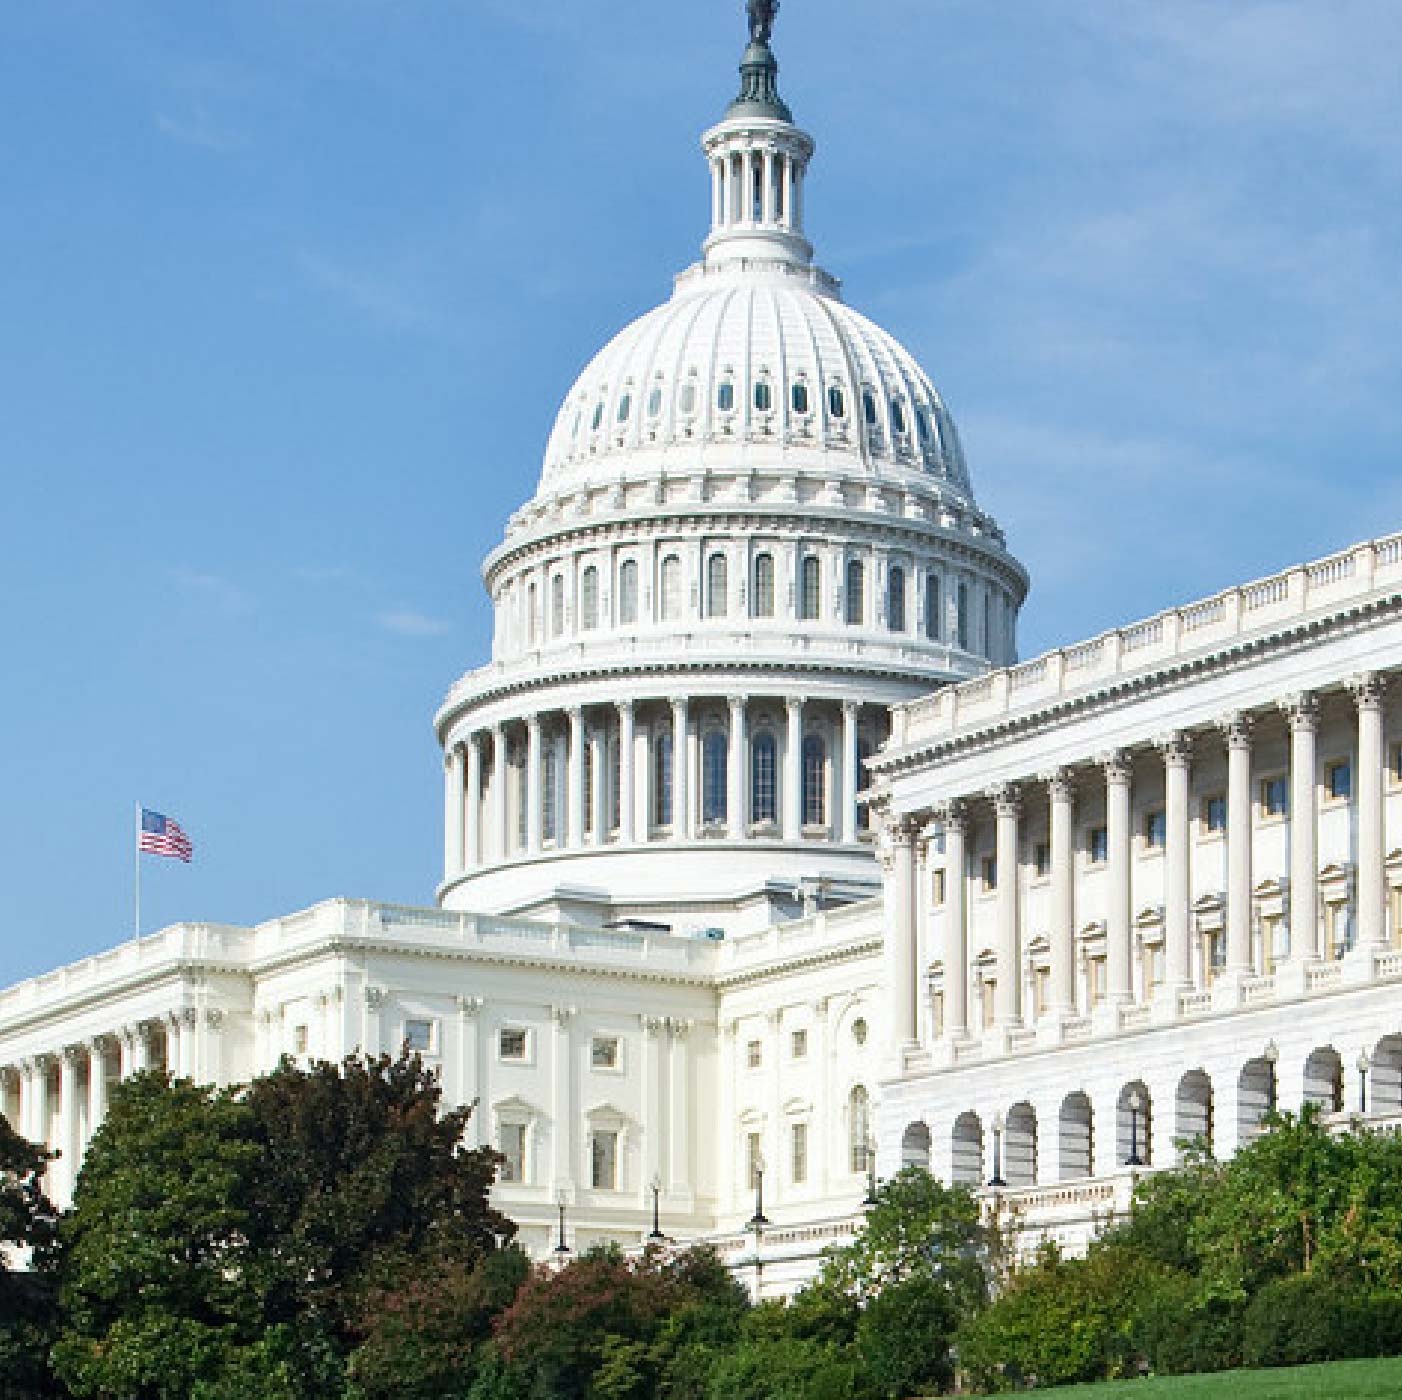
point(380, 296)
point(409, 622)
point(216, 590)
point(198, 129)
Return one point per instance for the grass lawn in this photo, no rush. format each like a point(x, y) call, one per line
point(1342, 1380)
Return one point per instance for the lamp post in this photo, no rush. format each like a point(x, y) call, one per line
point(562, 1248)
point(1136, 1107)
point(1270, 1055)
point(871, 1173)
point(1364, 1065)
point(997, 1178)
point(656, 1232)
point(759, 1220)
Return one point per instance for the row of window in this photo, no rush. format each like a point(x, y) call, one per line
point(717, 601)
point(798, 1044)
point(860, 1145)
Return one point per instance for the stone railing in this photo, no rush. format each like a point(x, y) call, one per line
point(1144, 646)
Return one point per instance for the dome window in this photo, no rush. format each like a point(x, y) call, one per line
point(837, 402)
point(628, 593)
point(856, 592)
point(589, 599)
point(897, 416)
point(764, 585)
point(799, 397)
point(811, 592)
point(688, 400)
point(598, 416)
point(725, 396)
point(922, 425)
point(654, 401)
point(671, 588)
point(895, 599)
point(764, 397)
point(578, 423)
point(869, 407)
point(717, 586)
point(625, 407)
point(764, 765)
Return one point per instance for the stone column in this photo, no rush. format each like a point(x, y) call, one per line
point(1302, 712)
point(847, 808)
point(627, 778)
point(788, 193)
point(472, 805)
point(534, 764)
point(901, 980)
point(40, 1109)
point(679, 1110)
point(956, 926)
point(1118, 835)
point(1237, 729)
point(598, 798)
point(768, 205)
point(69, 1138)
point(573, 834)
point(681, 800)
point(735, 796)
point(140, 1048)
point(793, 770)
point(1007, 807)
point(1177, 757)
point(471, 1088)
point(500, 810)
point(1371, 892)
point(1063, 919)
point(561, 1114)
point(452, 812)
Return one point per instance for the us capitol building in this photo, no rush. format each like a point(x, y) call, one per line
point(765, 855)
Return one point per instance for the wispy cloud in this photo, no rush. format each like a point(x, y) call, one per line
point(409, 622)
point(384, 296)
point(215, 590)
point(197, 128)
point(323, 573)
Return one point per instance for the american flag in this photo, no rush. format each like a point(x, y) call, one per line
point(162, 836)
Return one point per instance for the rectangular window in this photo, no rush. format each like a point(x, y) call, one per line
point(1097, 979)
point(1041, 859)
point(1214, 954)
point(754, 1159)
point(1275, 938)
point(1275, 796)
point(1397, 763)
point(511, 1045)
point(1338, 778)
point(1338, 924)
point(990, 873)
point(798, 1045)
point(1155, 830)
point(937, 1015)
point(988, 992)
point(798, 1153)
point(1041, 989)
point(754, 1054)
point(513, 1148)
point(1153, 965)
point(604, 1052)
point(300, 1040)
point(1214, 814)
point(937, 883)
point(418, 1036)
point(1098, 845)
point(603, 1161)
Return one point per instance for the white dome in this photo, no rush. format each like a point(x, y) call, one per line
point(748, 363)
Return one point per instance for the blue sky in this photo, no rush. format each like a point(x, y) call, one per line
point(290, 289)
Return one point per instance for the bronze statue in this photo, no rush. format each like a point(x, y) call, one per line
point(762, 14)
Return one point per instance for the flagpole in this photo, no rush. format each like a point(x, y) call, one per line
point(136, 842)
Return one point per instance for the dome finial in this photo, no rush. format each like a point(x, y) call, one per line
point(759, 70)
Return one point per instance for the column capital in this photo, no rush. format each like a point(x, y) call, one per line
point(653, 1025)
point(1006, 799)
point(1060, 784)
point(679, 702)
point(851, 707)
point(954, 814)
point(1236, 729)
point(469, 1007)
point(575, 713)
point(563, 1015)
point(533, 722)
point(70, 1054)
point(1301, 711)
point(736, 702)
point(1118, 765)
point(1369, 690)
point(1176, 748)
point(626, 706)
point(795, 702)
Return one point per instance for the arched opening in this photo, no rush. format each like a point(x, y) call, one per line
point(1134, 1125)
point(811, 593)
point(662, 778)
point(915, 1146)
point(895, 599)
point(764, 585)
point(1192, 1121)
point(550, 792)
point(671, 588)
point(628, 593)
point(932, 607)
point(1324, 1080)
point(717, 586)
point(1020, 1145)
point(532, 614)
point(1076, 1137)
point(1385, 1077)
point(859, 1128)
point(589, 599)
point(966, 1155)
point(714, 777)
point(856, 593)
point(763, 784)
point(815, 781)
point(1255, 1097)
point(557, 605)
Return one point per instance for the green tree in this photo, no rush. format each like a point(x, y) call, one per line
point(27, 1222)
point(903, 1338)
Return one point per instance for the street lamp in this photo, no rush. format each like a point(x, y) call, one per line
point(759, 1220)
point(997, 1178)
point(1364, 1065)
point(1136, 1107)
point(871, 1173)
point(562, 1248)
point(1270, 1055)
point(656, 1232)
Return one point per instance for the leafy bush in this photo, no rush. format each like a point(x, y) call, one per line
point(1315, 1317)
point(1179, 1328)
point(903, 1338)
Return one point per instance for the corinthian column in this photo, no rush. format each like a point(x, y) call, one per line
point(1118, 960)
point(847, 809)
point(681, 801)
point(1007, 807)
point(452, 812)
point(793, 770)
point(1237, 729)
point(534, 756)
point(627, 781)
point(1178, 969)
point(956, 927)
point(574, 835)
point(899, 867)
point(1371, 895)
point(499, 808)
point(735, 785)
point(472, 805)
point(1063, 986)
point(1302, 712)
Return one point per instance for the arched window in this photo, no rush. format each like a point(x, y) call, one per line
point(654, 401)
point(837, 402)
point(897, 416)
point(869, 407)
point(598, 416)
point(932, 607)
point(717, 586)
point(532, 614)
point(963, 617)
point(662, 779)
point(549, 792)
point(863, 754)
point(557, 605)
point(895, 599)
point(628, 593)
point(625, 407)
point(671, 588)
point(922, 425)
point(811, 594)
point(589, 599)
point(799, 397)
point(725, 396)
point(764, 396)
point(714, 777)
point(988, 625)
point(688, 398)
point(763, 778)
point(859, 1128)
point(815, 781)
point(764, 585)
point(856, 593)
